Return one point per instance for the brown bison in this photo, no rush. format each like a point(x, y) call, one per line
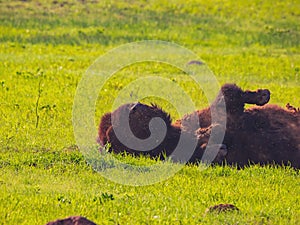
point(261, 134)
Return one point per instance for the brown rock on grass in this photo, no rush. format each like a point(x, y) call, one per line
point(73, 220)
point(221, 208)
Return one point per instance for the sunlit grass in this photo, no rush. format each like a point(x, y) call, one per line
point(43, 176)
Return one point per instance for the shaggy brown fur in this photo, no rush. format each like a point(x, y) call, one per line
point(140, 116)
point(267, 134)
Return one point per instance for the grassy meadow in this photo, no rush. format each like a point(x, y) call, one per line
point(45, 49)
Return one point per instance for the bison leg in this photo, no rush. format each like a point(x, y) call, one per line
point(259, 97)
point(235, 98)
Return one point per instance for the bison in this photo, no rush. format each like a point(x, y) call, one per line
point(261, 134)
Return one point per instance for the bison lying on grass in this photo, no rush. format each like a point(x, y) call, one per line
point(261, 134)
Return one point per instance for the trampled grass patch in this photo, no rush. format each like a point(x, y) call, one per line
point(46, 47)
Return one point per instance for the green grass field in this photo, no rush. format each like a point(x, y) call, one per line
point(45, 49)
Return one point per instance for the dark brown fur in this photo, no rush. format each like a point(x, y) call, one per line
point(267, 134)
point(140, 116)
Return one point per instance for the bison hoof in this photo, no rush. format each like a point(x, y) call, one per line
point(263, 96)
